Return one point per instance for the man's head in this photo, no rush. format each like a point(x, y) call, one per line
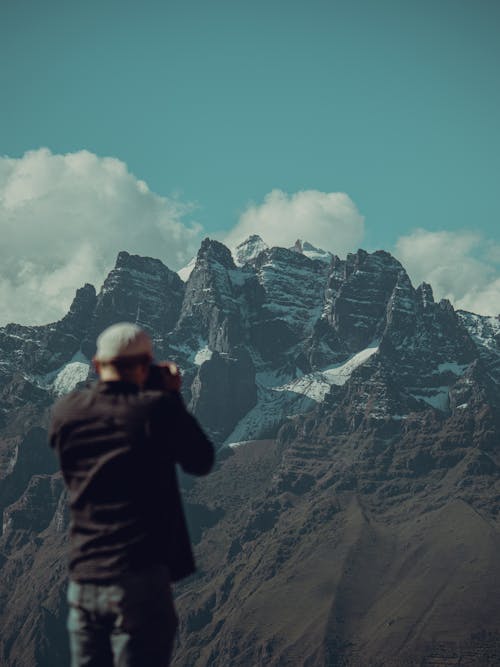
point(124, 352)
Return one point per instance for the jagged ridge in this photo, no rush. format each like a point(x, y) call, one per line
point(373, 405)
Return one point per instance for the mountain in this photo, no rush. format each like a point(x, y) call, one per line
point(353, 516)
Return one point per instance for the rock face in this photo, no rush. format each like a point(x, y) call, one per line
point(357, 520)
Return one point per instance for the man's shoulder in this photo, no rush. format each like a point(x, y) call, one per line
point(65, 410)
point(148, 401)
point(72, 399)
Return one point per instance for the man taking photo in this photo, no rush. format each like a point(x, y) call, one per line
point(118, 444)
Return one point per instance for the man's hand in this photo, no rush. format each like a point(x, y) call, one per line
point(164, 376)
point(172, 379)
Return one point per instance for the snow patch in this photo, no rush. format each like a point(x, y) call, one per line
point(234, 445)
point(205, 354)
point(277, 398)
point(187, 270)
point(248, 250)
point(313, 385)
point(317, 385)
point(484, 329)
point(67, 377)
point(195, 353)
point(316, 253)
point(263, 419)
point(340, 373)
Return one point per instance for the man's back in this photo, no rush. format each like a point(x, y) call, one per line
point(118, 447)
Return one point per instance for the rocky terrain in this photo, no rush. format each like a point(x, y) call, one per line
point(353, 516)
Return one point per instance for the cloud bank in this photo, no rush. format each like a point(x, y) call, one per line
point(329, 220)
point(63, 220)
point(461, 266)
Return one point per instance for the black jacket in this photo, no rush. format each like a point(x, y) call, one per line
point(118, 448)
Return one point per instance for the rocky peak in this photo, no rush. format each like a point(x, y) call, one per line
point(81, 310)
point(402, 306)
point(310, 251)
point(356, 260)
point(359, 290)
point(215, 306)
point(223, 391)
point(141, 290)
point(336, 279)
point(133, 265)
point(84, 299)
point(211, 277)
point(446, 306)
point(425, 295)
point(316, 253)
point(294, 289)
point(215, 252)
point(248, 250)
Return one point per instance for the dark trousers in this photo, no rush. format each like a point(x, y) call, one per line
point(127, 624)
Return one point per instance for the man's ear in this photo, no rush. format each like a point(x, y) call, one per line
point(96, 364)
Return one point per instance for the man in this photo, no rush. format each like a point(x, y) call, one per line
point(118, 444)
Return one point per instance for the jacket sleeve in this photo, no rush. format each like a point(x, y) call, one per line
point(192, 450)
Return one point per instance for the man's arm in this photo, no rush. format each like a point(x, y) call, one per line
point(191, 447)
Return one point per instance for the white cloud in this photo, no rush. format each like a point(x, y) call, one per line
point(63, 220)
point(460, 266)
point(329, 220)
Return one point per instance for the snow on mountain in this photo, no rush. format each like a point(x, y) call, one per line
point(69, 376)
point(307, 249)
point(484, 330)
point(294, 287)
point(203, 354)
point(293, 397)
point(196, 352)
point(340, 373)
point(316, 385)
point(186, 271)
point(264, 418)
point(248, 250)
point(64, 379)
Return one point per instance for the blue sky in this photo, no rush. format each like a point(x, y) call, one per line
point(216, 104)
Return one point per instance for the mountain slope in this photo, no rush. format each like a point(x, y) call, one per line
point(353, 515)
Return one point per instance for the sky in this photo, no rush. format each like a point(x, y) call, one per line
point(148, 126)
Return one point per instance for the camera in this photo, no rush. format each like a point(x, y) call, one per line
point(163, 376)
